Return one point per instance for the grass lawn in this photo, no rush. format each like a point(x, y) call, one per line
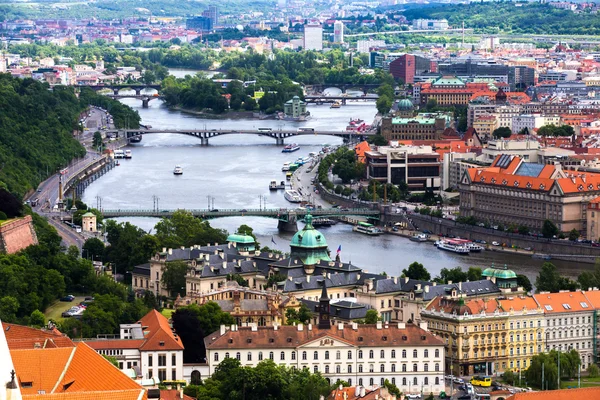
point(58, 307)
point(585, 382)
point(167, 312)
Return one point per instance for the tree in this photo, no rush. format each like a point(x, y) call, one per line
point(97, 140)
point(550, 280)
point(383, 104)
point(549, 229)
point(452, 275)
point(416, 271)
point(93, 249)
point(534, 373)
point(194, 321)
point(590, 279)
point(593, 371)
point(524, 282)
point(474, 274)
point(37, 318)
point(301, 316)
point(9, 204)
point(173, 277)
point(183, 229)
point(573, 235)
point(523, 230)
point(502, 132)
point(377, 140)
point(238, 278)
point(273, 279)
point(372, 317)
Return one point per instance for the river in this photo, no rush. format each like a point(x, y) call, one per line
point(234, 172)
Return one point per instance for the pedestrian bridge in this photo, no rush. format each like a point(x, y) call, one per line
point(287, 217)
point(278, 135)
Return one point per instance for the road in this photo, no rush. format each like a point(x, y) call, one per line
point(47, 191)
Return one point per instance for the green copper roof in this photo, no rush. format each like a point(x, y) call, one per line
point(405, 104)
point(502, 273)
point(422, 121)
point(308, 237)
point(448, 80)
point(88, 214)
point(239, 238)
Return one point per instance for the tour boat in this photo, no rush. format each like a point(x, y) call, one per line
point(135, 139)
point(454, 246)
point(336, 104)
point(178, 170)
point(119, 154)
point(274, 186)
point(292, 196)
point(323, 222)
point(366, 228)
point(127, 153)
point(290, 148)
point(421, 237)
point(286, 166)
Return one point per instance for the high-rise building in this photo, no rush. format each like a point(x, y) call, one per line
point(213, 13)
point(407, 66)
point(364, 46)
point(199, 23)
point(338, 32)
point(313, 37)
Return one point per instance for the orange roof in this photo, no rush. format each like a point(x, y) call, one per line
point(563, 394)
point(520, 303)
point(360, 149)
point(158, 333)
point(77, 373)
point(173, 394)
point(24, 337)
point(594, 295)
point(563, 302)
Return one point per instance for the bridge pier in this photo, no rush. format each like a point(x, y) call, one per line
point(279, 141)
point(116, 91)
point(145, 103)
point(290, 225)
point(138, 91)
point(203, 141)
point(343, 102)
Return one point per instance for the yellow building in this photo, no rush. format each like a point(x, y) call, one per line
point(485, 124)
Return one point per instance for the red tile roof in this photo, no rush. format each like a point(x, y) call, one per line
point(173, 395)
point(563, 302)
point(563, 394)
point(158, 333)
point(24, 337)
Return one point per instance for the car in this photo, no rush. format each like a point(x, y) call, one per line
point(427, 231)
point(89, 298)
point(395, 229)
point(412, 396)
point(458, 381)
point(481, 224)
point(66, 314)
point(214, 210)
point(39, 190)
point(494, 243)
point(69, 297)
point(495, 227)
point(528, 248)
point(449, 377)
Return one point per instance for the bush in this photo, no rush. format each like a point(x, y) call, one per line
point(593, 371)
point(3, 216)
point(339, 189)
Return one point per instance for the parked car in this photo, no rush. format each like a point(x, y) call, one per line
point(494, 243)
point(68, 297)
point(458, 381)
point(413, 396)
point(427, 231)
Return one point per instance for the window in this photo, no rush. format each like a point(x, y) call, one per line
point(393, 353)
point(426, 353)
point(403, 353)
point(349, 368)
point(238, 355)
point(415, 354)
point(338, 355)
point(304, 355)
point(403, 367)
point(338, 369)
point(437, 380)
point(415, 381)
point(316, 369)
point(426, 381)
point(349, 354)
point(426, 367)
point(437, 367)
point(415, 368)
point(282, 355)
point(382, 368)
point(270, 355)
point(371, 368)
point(327, 369)
point(226, 355)
point(360, 354)
point(403, 381)
point(382, 381)
point(326, 355)
point(216, 357)
point(260, 356)
point(249, 356)
point(360, 381)
point(293, 355)
point(150, 360)
point(437, 353)
point(371, 354)
point(360, 368)
point(316, 355)
point(371, 381)
point(162, 374)
point(162, 360)
point(382, 354)
point(173, 359)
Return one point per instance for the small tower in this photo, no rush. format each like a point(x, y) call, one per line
point(88, 220)
point(324, 322)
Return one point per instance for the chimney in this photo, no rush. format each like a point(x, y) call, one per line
point(329, 275)
point(406, 279)
point(300, 327)
point(254, 328)
point(423, 325)
point(362, 391)
point(340, 326)
point(459, 285)
point(170, 251)
point(434, 283)
point(418, 286)
point(355, 326)
point(426, 288)
point(395, 280)
point(275, 327)
point(164, 250)
point(449, 282)
point(379, 325)
point(224, 264)
point(182, 247)
point(222, 330)
point(233, 328)
point(401, 325)
point(310, 327)
point(357, 391)
point(181, 392)
point(216, 244)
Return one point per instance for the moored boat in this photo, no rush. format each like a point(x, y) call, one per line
point(178, 170)
point(366, 228)
point(454, 246)
point(127, 153)
point(323, 222)
point(290, 148)
point(274, 186)
point(292, 196)
point(421, 237)
point(336, 104)
point(286, 166)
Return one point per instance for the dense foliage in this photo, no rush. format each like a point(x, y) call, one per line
point(569, 366)
point(123, 115)
point(509, 17)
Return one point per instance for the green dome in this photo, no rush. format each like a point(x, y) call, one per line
point(502, 273)
point(309, 244)
point(405, 105)
point(238, 238)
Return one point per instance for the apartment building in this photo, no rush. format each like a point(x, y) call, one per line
point(485, 124)
point(424, 126)
point(405, 354)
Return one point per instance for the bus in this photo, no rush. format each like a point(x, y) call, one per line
point(265, 129)
point(484, 381)
point(306, 130)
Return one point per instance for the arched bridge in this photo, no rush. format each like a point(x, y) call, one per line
point(344, 87)
point(320, 99)
point(137, 87)
point(205, 134)
point(143, 97)
point(287, 217)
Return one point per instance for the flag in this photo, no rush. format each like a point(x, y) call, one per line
point(273, 241)
point(339, 250)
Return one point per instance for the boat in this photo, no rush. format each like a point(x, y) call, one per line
point(366, 228)
point(178, 170)
point(475, 248)
point(127, 153)
point(336, 104)
point(286, 166)
point(274, 186)
point(323, 222)
point(290, 148)
point(288, 176)
point(454, 246)
point(421, 237)
point(119, 154)
point(292, 196)
point(135, 139)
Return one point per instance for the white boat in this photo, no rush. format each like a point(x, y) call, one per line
point(475, 248)
point(178, 170)
point(292, 196)
point(119, 154)
point(127, 153)
point(367, 229)
point(286, 166)
point(275, 186)
point(453, 246)
point(421, 237)
point(290, 148)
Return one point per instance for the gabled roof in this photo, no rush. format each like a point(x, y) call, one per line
point(562, 302)
point(563, 394)
point(24, 337)
point(158, 333)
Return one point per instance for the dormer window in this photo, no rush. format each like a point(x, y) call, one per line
point(161, 343)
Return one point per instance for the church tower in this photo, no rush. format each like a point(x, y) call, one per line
point(324, 322)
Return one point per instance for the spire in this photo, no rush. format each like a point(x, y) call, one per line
point(324, 295)
point(324, 322)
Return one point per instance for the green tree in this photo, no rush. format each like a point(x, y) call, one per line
point(112, 359)
point(238, 278)
point(183, 229)
point(523, 230)
point(97, 140)
point(574, 235)
point(173, 277)
point(474, 274)
point(93, 249)
point(502, 132)
point(383, 104)
point(416, 271)
point(549, 229)
point(377, 140)
point(593, 371)
point(524, 282)
point(550, 280)
point(590, 279)
point(301, 316)
point(371, 317)
point(533, 374)
point(452, 275)
point(37, 318)
point(273, 279)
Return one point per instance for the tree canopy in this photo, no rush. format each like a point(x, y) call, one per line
point(416, 271)
point(550, 280)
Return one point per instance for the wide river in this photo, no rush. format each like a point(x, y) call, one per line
point(234, 172)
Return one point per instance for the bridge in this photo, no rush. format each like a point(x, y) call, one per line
point(137, 87)
point(143, 97)
point(205, 134)
point(320, 99)
point(344, 87)
point(410, 32)
point(287, 217)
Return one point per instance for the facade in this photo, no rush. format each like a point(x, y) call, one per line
point(294, 108)
point(405, 354)
point(17, 234)
point(313, 37)
point(429, 126)
point(406, 66)
point(570, 323)
point(202, 23)
point(364, 46)
point(430, 24)
point(454, 166)
point(450, 91)
point(338, 32)
point(88, 222)
point(485, 124)
point(515, 192)
point(525, 149)
point(150, 348)
point(593, 219)
point(418, 167)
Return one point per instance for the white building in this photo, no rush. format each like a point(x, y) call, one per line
point(533, 121)
point(364, 46)
point(313, 37)
point(526, 149)
point(338, 32)
point(430, 24)
point(505, 115)
point(405, 354)
point(454, 166)
point(149, 347)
